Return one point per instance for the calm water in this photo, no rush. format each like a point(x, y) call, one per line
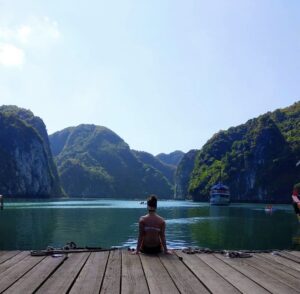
point(106, 223)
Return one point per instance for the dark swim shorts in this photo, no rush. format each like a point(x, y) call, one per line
point(151, 250)
point(296, 208)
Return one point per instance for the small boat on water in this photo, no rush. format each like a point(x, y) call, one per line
point(269, 208)
point(219, 195)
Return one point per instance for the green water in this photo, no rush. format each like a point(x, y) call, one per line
point(106, 223)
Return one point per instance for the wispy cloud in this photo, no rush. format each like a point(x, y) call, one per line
point(16, 41)
point(11, 55)
point(23, 33)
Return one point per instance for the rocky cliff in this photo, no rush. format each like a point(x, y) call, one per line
point(93, 161)
point(167, 170)
point(183, 175)
point(172, 158)
point(27, 166)
point(257, 159)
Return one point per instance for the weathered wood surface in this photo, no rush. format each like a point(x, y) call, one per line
point(281, 260)
point(243, 283)
point(185, 281)
point(63, 278)
point(265, 279)
point(133, 277)
point(34, 278)
point(118, 271)
point(158, 279)
point(5, 255)
point(205, 273)
point(15, 259)
point(290, 256)
point(112, 281)
point(91, 276)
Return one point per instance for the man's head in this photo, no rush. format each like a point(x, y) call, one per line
point(152, 203)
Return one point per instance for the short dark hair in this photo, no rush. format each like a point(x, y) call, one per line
point(152, 201)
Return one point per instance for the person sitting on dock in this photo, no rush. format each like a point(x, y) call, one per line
point(152, 227)
point(296, 202)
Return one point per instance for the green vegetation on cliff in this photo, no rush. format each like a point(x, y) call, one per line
point(27, 166)
point(257, 159)
point(172, 158)
point(183, 174)
point(167, 170)
point(93, 161)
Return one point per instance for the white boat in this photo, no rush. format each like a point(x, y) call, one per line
point(219, 195)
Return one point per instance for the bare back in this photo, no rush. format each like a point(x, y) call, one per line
point(152, 228)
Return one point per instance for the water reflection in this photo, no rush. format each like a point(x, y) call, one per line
point(106, 223)
point(244, 227)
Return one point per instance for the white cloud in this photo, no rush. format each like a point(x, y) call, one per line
point(38, 34)
point(11, 55)
point(23, 33)
point(5, 33)
point(50, 27)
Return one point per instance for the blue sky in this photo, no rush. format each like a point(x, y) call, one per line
point(163, 75)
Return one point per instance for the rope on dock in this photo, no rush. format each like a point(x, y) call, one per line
point(228, 253)
point(70, 247)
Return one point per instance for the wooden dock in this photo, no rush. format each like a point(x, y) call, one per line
point(118, 271)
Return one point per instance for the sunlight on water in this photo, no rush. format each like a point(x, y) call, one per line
point(99, 203)
point(190, 220)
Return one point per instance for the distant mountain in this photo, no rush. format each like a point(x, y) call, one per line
point(27, 166)
point(166, 169)
point(257, 159)
point(172, 158)
point(183, 174)
point(93, 161)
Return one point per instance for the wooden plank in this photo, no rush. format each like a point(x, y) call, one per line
point(276, 273)
point(32, 280)
point(296, 253)
point(185, 280)
point(290, 256)
point(282, 260)
point(13, 260)
point(209, 277)
point(260, 277)
point(12, 274)
point(91, 276)
point(233, 276)
point(133, 278)
point(159, 280)
point(279, 266)
point(3, 252)
point(64, 276)
point(112, 278)
point(5, 255)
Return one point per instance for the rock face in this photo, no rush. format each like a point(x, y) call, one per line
point(257, 160)
point(183, 175)
point(27, 166)
point(172, 158)
point(167, 170)
point(93, 161)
